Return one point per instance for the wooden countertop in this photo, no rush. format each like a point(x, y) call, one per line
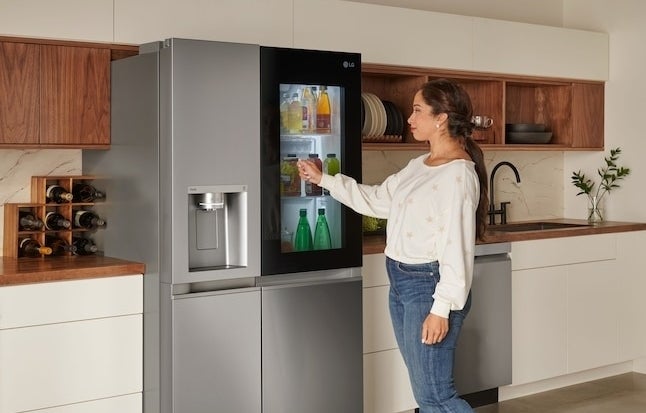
point(375, 244)
point(16, 271)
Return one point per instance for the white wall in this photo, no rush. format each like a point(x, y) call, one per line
point(624, 106)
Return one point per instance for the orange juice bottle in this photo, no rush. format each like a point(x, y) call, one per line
point(323, 112)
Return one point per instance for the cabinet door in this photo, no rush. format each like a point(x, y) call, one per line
point(539, 324)
point(19, 65)
point(64, 363)
point(593, 315)
point(75, 95)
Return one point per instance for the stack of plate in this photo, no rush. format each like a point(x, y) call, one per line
point(527, 133)
point(380, 119)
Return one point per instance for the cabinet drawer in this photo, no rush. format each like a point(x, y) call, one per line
point(373, 271)
point(563, 251)
point(57, 302)
point(58, 364)
point(386, 386)
point(130, 403)
point(377, 327)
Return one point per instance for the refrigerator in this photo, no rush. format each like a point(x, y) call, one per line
point(242, 311)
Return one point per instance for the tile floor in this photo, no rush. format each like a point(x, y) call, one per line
point(625, 393)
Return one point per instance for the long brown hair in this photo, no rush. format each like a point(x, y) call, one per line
point(448, 97)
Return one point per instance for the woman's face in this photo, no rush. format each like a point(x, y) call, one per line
point(423, 122)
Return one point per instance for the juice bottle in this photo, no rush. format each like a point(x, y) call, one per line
point(323, 112)
point(303, 237)
point(295, 115)
point(284, 109)
point(322, 240)
point(332, 165)
point(312, 189)
point(309, 110)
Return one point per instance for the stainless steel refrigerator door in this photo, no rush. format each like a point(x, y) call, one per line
point(312, 348)
point(216, 352)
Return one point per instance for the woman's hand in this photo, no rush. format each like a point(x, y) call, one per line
point(308, 171)
point(434, 329)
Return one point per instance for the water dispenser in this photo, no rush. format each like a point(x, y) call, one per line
point(217, 227)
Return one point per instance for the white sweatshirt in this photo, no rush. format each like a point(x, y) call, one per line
point(431, 217)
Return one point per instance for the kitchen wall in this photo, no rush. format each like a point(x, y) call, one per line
point(540, 195)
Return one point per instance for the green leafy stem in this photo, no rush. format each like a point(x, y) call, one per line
point(610, 174)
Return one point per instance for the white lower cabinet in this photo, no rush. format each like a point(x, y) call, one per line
point(630, 276)
point(386, 387)
point(77, 348)
point(566, 306)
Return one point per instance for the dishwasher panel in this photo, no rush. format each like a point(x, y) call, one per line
point(216, 352)
point(312, 347)
point(483, 356)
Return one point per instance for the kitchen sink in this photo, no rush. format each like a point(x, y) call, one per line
point(533, 226)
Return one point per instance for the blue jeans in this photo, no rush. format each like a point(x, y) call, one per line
point(430, 367)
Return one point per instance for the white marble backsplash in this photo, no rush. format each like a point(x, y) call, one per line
point(18, 166)
point(538, 196)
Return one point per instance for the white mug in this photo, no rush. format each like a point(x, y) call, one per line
point(482, 121)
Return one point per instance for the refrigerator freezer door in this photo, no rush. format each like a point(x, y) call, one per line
point(312, 347)
point(216, 352)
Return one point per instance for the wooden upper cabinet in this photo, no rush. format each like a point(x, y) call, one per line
point(74, 95)
point(56, 94)
point(19, 93)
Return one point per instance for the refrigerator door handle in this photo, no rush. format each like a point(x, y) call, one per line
point(214, 292)
point(302, 283)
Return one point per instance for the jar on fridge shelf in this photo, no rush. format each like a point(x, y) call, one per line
point(323, 112)
point(311, 189)
point(289, 179)
point(332, 165)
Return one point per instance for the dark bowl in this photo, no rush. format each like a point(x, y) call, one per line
point(528, 137)
point(525, 127)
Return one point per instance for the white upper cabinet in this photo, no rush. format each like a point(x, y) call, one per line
point(383, 34)
point(529, 49)
point(63, 19)
point(265, 22)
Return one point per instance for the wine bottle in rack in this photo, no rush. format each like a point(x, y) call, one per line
point(87, 219)
point(58, 194)
point(28, 247)
point(84, 246)
point(59, 246)
point(56, 221)
point(28, 222)
point(84, 192)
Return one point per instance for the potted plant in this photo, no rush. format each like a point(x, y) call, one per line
point(610, 174)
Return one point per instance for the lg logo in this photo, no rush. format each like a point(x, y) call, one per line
point(348, 65)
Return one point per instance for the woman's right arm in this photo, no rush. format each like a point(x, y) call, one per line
point(371, 200)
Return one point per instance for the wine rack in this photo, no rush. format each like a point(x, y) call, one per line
point(39, 207)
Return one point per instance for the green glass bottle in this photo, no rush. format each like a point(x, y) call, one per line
point(303, 236)
point(322, 240)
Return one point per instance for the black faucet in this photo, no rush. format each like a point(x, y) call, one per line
point(503, 205)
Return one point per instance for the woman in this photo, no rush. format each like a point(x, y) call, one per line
point(436, 206)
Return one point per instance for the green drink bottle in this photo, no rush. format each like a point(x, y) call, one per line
point(322, 240)
point(303, 236)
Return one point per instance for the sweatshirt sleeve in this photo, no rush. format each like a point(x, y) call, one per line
point(457, 256)
point(371, 200)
